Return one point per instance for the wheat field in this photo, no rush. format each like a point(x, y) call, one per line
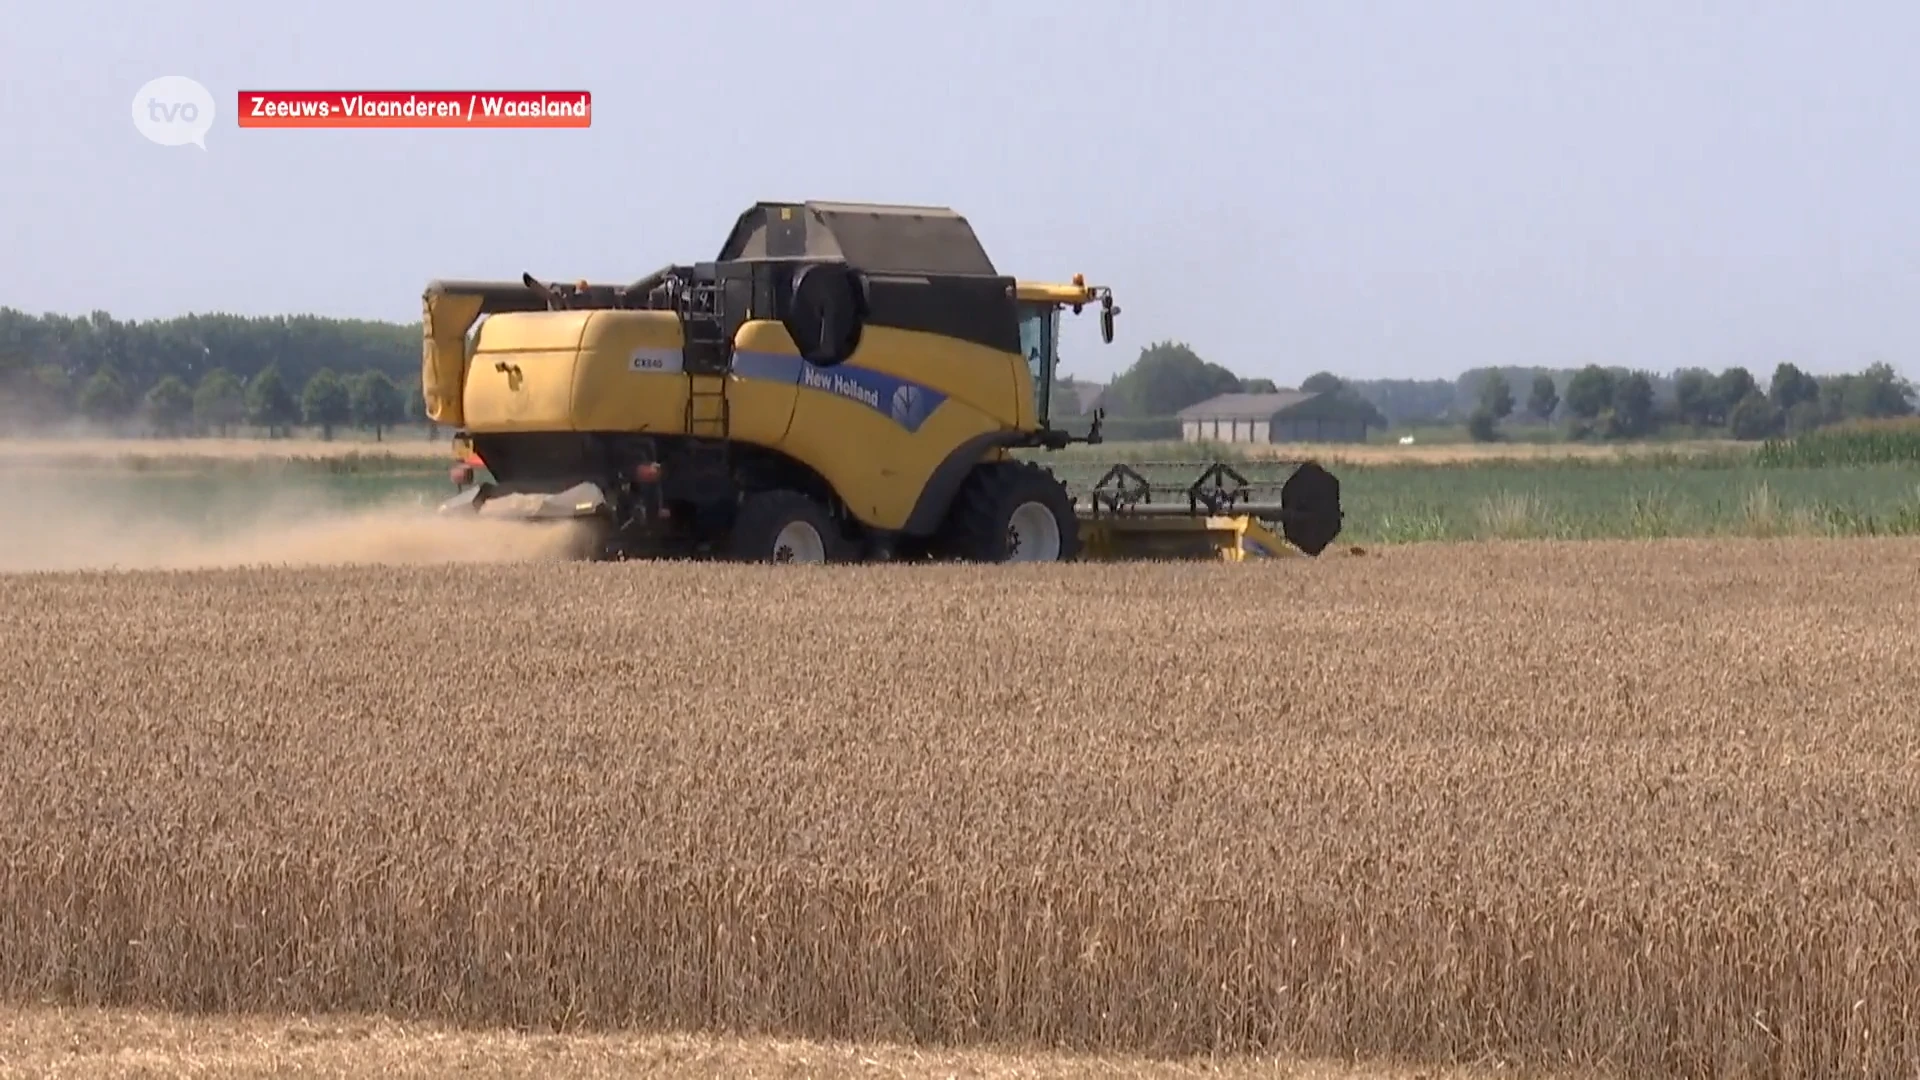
point(52, 1043)
point(1643, 808)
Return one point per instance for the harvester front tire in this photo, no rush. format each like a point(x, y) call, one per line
point(786, 526)
point(1013, 511)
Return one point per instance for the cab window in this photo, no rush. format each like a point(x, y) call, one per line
point(1039, 326)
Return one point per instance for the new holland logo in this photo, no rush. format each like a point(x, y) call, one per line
point(902, 401)
point(906, 405)
point(835, 383)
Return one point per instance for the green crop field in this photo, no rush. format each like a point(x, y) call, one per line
point(1862, 480)
point(1581, 500)
point(1627, 501)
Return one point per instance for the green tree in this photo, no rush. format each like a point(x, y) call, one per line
point(1754, 417)
point(1835, 393)
point(1495, 405)
point(1544, 398)
point(170, 405)
point(374, 402)
point(1589, 393)
point(269, 403)
point(1167, 377)
point(1352, 402)
point(220, 401)
point(1695, 400)
point(1733, 386)
point(1879, 392)
point(1401, 401)
point(1259, 386)
point(1632, 407)
point(1496, 396)
point(53, 387)
point(1791, 387)
point(103, 399)
point(325, 402)
point(40, 395)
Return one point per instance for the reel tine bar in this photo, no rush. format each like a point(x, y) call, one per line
point(1218, 499)
point(1120, 489)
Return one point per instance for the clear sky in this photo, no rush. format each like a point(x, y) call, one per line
point(1386, 189)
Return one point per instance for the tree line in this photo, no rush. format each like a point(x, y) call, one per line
point(1594, 401)
point(1614, 403)
point(208, 374)
point(215, 373)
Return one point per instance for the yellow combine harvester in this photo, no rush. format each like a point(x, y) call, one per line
point(845, 382)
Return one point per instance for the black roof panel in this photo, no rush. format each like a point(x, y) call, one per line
point(879, 238)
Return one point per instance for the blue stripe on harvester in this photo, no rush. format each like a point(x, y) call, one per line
point(903, 401)
point(768, 367)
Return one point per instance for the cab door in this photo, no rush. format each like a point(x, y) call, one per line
point(1039, 338)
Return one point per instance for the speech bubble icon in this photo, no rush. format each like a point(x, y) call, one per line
point(173, 110)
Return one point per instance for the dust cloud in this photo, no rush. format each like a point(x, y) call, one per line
point(63, 532)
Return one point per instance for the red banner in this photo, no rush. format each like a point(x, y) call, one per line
point(415, 109)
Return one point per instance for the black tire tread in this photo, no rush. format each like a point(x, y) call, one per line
point(976, 525)
point(763, 514)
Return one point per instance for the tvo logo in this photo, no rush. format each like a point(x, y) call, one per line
point(173, 110)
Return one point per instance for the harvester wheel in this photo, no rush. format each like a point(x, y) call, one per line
point(1013, 511)
point(786, 526)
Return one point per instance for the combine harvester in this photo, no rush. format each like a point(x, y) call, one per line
point(844, 383)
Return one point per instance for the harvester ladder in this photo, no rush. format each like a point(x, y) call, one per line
point(709, 352)
point(709, 412)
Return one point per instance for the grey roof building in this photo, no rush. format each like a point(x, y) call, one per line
point(1288, 416)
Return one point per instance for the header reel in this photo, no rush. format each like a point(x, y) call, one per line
point(1307, 507)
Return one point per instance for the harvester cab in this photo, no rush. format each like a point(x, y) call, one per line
point(1039, 307)
point(843, 382)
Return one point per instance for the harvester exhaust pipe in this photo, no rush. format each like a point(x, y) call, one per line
point(542, 290)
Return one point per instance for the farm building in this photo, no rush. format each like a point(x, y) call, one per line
point(1284, 417)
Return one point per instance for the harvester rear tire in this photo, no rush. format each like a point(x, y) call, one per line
point(1012, 511)
point(786, 526)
